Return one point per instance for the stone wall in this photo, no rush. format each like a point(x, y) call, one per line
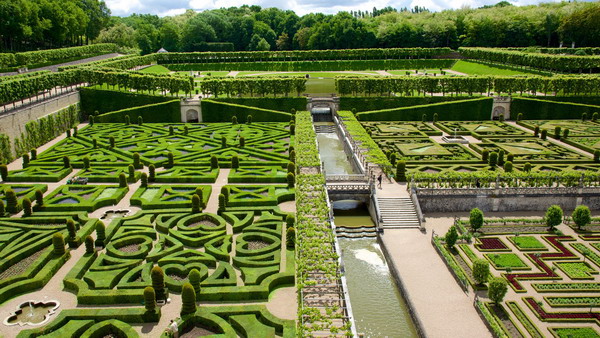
point(13, 123)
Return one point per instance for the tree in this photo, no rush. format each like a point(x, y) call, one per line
point(12, 204)
point(122, 180)
point(39, 198)
point(508, 166)
point(100, 233)
point(401, 171)
point(151, 173)
point(194, 278)
point(235, 162)
point(196, 32)
point(451, 237)
point(71, 230)
point(581, 216)
point(290, 237)
point(26, 207)
point(497, 289)
point(58, 243)
point(144, 180)
point(195, 204)
point(481, 270)
point(149, 298)
point(214, 162)
point(188, 299)
point(493, 159)
point(291, 180)
point(3, 172)
point(158, 282)
point(476, 219)
point(89, 245)
point(553, 216)
point(222, 203)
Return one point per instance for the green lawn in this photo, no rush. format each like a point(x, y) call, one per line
point(412, 71)
point(476, 68)
point(527, 243)
point(156, 69)
point(502, 261)
point(312, 74)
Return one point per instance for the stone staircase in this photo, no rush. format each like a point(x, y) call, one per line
point(355, 232)
point(325, 128)
point(397, 213)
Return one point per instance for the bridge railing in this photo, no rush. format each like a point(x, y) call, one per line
point(346, 178)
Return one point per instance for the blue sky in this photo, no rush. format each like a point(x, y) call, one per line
point(301, 7)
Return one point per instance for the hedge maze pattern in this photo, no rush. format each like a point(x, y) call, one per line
point(240, 252)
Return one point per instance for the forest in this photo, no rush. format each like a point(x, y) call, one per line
point(41, 24)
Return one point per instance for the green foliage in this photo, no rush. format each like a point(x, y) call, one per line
point(33, 154)
point(151, 173)
point(89, 245)
point(291, 180)
point(26, 207)
point(544, 134)
point(473, 109)
point(136, 160)
point(171, 130)
point(557, 131)
point(553, 216)
point(497, 289)
point(39, 198)
point(476, 219)
point(242, 141)
point(222, 202)
point(235, 162)
point(508, 166)
point(196, 204)
point(485, 155)
point(140, 120)
point(501, 157)
point(110, 101)
point(111, 141)
point(435, 117)
point(25, 160)
point(217, 111)
point(214, 162)
point(291, 167)
point(481, 270)
point(2, 208)
point(249, 119)
point(519, 116)
point(3, 172)
point(536, 131)
point(565, 134)
point(596, 155)
point(451, 237)
point(12, 204)
point(290, 220)
point(493, 160)
point(543, 109)
point(223, 142)
point(188, 298)
point(127, 119)
point(131, 172)
point(527, 167)
point(100, 233)
point(195, 279)
point(71, 229)
point(149, 299)
point(595, 117)
point(144, 180)
point(401, 171)
point(290, 238)
point(86, 162)
point(158, 282)
point(170, 159)
point(234, 120)
point(292, 156)
point(58, 244)
point(581, 216)
point(122, 180)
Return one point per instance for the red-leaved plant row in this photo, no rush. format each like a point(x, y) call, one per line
point(547, 273)
point(590, 237)
point(491, 244)
point(560, 316)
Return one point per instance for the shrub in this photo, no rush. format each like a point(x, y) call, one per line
point(58, 243)
point(393, 158)
point(194, 278)
point(485, 155)
point(292, 156)
point(401, 171)
point(289, 221)
point(140, 120)
point(510, 157)
point(144, 182)
point(565, 133)
point(100, 233)
point(136, 160)
point(223, 142)
point(94, 143)
point(89, 245)
point(508, 166)
point(536, 131)
point(553, 216)
point(234, 120)
point(290, 239)
point(33, 154)
point(170, 159)
point(214, 162)
point(86, 162)
point(111, 141)
point(596, 155)
point(583, 117)
point(75, 131)
point(435, 117)
point(225, 193)
point(527, 167)
point(186, 130)
point(292, 129)
point(544, 134)
point(149, 298)
point(171, 130)
point(122, 180)
point(476, 219)
point(3, 171)
point(451, 237)
point(291, 167)
point(235, 162)
point(501, 157)
point(66, 162)
point(2, 208)
point(249, 119)
point(12, 204)
point(91, 120)
point(493, 160)
point(25, 160)
point(291, 180)
point(195, 204)
point(424, 118)
point(39, 198)
point(481, 270)
point(221, 203)
point(131, 171)
point(71, 229)
point(501, 118)
point(68, 132)
point(151, 173)
point(557, 130)
point(595, 116)
point(497, 289)
point(26, 207)
point(242, 141)
point(127, 120)
point(188, 299)
point(158, 282)
point(519, 116)
point(581, 216)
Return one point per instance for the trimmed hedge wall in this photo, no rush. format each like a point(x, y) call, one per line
point(465, 110)
point(365, 104)
point(536, 109)
point(164, 112)
point(284, 104)
point(213, 111)
point(105, 101)
point(591, 100)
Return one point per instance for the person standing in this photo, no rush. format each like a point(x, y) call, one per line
point(174, 328)
point(379, 179)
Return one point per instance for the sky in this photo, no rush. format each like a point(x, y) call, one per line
point(301, 7)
